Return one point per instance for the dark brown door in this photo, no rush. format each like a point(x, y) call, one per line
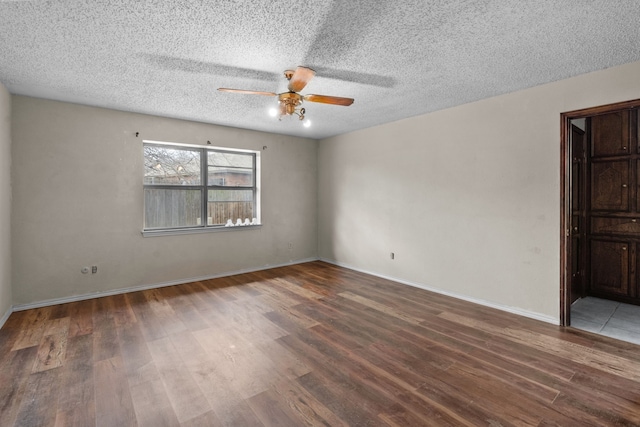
point(578, 200)
point(613, 211)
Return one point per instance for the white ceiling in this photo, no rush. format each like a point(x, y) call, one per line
point(396, 58)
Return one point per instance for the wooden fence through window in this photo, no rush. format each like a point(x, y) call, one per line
point(169, 209)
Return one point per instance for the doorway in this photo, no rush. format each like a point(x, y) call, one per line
point(600, 209)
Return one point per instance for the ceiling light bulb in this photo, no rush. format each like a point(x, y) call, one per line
point(307, 123)
point(273, 112)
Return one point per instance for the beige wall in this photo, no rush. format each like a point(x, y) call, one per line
point(468, 198)
point(5, 203)
point(77, 202)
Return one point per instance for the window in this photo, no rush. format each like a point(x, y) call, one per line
point(196, 188)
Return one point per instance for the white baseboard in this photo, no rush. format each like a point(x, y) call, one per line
point(74, 298)
point(514, 310)
point(55, 301)
point(5, 316)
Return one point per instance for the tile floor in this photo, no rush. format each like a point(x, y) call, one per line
point(611, 318)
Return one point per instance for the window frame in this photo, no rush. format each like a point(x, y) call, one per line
point(204, 189)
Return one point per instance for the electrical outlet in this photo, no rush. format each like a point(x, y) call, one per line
point(94, 269)
point(290, 245)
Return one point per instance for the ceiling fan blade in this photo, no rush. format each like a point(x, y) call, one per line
point(324, 99)
point(248, 92)
point(300, 78)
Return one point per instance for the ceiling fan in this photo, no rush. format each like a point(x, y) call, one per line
point(291, 100)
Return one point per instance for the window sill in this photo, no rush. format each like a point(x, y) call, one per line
point(197, 230)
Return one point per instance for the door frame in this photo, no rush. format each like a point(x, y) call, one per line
point(565, 196)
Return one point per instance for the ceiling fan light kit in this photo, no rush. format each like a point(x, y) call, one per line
point(289, 102)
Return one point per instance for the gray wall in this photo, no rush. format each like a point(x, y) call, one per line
point(77, 201)
point(5, 203)
point(468, 198)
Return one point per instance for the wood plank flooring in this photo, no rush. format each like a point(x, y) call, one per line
point(307, 345)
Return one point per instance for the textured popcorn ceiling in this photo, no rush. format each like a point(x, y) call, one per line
point(396, 58)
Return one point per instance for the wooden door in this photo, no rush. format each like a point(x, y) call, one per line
point(613, 212)
point(578, 219)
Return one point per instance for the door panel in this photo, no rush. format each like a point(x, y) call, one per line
point(610, 186)
point(622, 226)
point(609, 267)
point(576, 190)
point(576, 271)
point(610, 134)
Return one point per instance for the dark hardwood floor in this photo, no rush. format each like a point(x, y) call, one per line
point(311, 344)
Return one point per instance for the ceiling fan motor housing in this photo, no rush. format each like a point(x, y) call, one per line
point(289, 101)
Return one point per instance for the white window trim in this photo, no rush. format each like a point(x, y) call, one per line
point(208, 228)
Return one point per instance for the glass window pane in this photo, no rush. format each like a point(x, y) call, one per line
point(234, 160)
point(230, 169)
point(171, 208)
point(225, 205)
point(230, 177)
point(171, 166)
